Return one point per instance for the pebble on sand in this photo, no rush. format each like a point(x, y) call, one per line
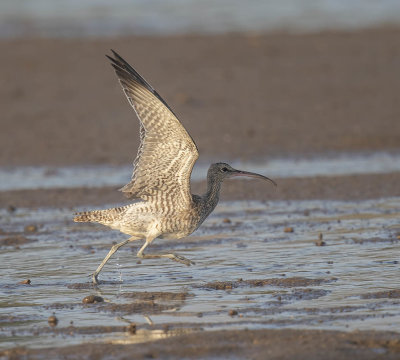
point(25, 282)
point(92, 299)
point(52, 320)
point(131, 328)
point(30, 228)
point(11, 208)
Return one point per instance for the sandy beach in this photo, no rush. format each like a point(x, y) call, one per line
point(243, 97)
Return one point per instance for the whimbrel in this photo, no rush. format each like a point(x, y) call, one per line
point(164, 206)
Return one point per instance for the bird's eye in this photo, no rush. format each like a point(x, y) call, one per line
point(224, 169)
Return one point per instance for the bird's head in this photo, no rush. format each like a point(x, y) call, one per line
point(222, 171)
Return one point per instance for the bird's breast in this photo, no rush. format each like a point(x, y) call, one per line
point(178, 224)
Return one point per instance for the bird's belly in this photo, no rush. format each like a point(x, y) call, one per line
point(175, 235)
point(174, 227)
point(136, 222)
point(139, 221)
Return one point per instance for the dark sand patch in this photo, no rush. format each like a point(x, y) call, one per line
point(285, 282)
point(374, 240)
point(16, 240)
point(139, 302)
point(81, 286)
point(156, 295)
point(13, 319)
point(389, 294)
point(140, 307)
point(301, 294)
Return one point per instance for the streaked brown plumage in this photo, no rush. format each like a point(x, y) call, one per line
point(164, 206)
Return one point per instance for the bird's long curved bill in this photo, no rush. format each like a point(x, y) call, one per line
point(253, 175)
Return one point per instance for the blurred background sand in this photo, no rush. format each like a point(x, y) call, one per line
point(248, 80)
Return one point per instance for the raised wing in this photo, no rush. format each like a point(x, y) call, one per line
point(167, 153)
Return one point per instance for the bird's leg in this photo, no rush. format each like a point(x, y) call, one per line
point(173, 257)
point(111, 252)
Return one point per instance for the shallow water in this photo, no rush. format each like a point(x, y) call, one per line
point(353, 274)
point(44, 177)
point(85, 18)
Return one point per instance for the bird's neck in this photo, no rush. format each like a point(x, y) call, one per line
point(211, 197)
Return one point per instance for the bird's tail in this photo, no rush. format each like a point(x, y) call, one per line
point(100, 216)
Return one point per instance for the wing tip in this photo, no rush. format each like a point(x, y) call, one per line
point(122, 66)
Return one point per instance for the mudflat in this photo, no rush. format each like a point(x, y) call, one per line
point(244, 97)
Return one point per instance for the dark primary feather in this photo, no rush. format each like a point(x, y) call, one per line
point(120, 64)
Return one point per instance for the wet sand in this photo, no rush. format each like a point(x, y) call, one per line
point(240, 97)
point(258, 344)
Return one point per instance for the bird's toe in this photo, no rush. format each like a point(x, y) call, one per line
point(185, 261)
point(182, 260)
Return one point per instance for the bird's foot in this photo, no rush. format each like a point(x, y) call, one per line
point(181, 259)
point(94, 279)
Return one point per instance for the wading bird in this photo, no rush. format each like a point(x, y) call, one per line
point(164, 207)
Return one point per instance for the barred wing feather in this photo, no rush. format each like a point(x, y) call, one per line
point(167, 153)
